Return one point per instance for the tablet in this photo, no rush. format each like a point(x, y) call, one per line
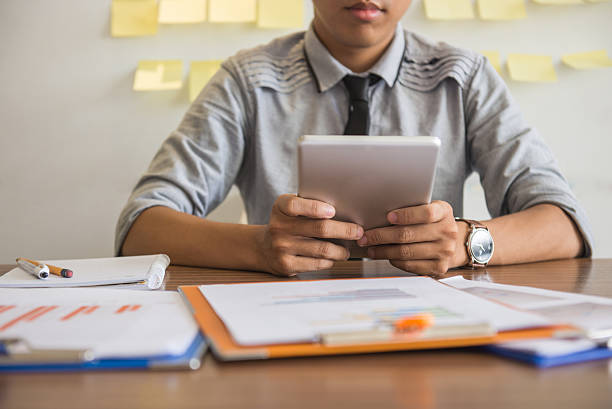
point(365, 177)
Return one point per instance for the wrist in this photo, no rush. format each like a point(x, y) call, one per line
point(260, 261)
point(461, 255)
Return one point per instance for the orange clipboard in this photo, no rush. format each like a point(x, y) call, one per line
point(225, 349)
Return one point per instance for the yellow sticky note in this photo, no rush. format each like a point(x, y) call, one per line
point(131, 18)
point(157, 75)
point(231, 11)
point(501, 9)
point(494, 58)
point(182, 11)
point(200, 73)
point(449, 9)
point(556, 2)
point(280, 13)
point(531, 68)
point(587, 60)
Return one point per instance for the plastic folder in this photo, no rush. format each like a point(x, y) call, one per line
point(542, 361)
point(225, 348)
point(77, 360)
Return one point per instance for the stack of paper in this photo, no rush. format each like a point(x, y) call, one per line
point(588, 312)
point(592, 315)
point(293, 312)
point(102, 324)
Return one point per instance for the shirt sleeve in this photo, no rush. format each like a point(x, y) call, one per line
point(517, 169)
point(197, 164)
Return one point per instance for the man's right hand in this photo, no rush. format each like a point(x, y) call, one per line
point(290, 242)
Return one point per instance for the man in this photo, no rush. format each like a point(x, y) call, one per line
point(244, 128)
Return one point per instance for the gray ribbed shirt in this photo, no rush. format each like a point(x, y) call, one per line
point(244, 127)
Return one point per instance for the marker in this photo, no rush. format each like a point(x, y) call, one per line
point(37, 270)
point(58, 271)
point(417, 322)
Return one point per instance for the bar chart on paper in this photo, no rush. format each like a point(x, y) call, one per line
point(586, 314)
point(110, 323)
point(28, 314)
point(516, 298)
point(358, 318)
point(343, 296)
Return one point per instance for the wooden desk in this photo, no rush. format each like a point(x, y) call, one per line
point(430, 379)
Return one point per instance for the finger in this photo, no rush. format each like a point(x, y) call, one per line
point(320, 249)
point(293, 206)
point(326, 229)
point(400, 234)
point(415, 251)
point(424, 214)
point(423, 267)
point(291, 265)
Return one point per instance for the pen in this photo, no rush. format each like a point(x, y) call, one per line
point(37, 270)
point(58, 271)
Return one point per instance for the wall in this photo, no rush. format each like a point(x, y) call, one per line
point(74, 138)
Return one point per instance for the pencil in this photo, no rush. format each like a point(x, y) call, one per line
point(58, 271)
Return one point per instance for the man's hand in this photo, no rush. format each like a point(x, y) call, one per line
point(422, 239)
point(289, 243)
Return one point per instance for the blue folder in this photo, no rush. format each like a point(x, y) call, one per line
point(542, 361)
point(190, 359)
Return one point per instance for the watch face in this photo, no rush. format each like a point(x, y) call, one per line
point(482, 246)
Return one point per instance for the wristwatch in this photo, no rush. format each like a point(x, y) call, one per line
point(479, 244)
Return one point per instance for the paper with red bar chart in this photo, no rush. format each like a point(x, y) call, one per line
point(107, 323)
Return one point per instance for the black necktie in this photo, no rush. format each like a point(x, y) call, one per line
point(359, 112)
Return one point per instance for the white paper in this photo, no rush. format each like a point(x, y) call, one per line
point(289, 312)
point(550, 347)
point(108, 322)
point(96, 271)
point(587, 312)
point(583, 311)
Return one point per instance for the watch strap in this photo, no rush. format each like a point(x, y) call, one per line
point(472, 223)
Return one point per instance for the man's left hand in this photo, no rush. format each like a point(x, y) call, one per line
point(421, 239)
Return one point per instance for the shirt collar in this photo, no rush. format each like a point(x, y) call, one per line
point(328, 71)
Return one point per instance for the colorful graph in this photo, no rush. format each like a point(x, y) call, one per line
point(42, 312)
point(586, 314)
point(344, 296)
point(126, 308)
point(4, 308)
point(28, 316)
point(383, 316)
point(396, 314)
point(62, 314)
point(514, 298)
point(81, 310)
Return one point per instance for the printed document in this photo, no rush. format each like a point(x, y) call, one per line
point(292, 312)
point(107, 323)
point(583, 311)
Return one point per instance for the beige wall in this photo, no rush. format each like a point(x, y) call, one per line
point(74, 138)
